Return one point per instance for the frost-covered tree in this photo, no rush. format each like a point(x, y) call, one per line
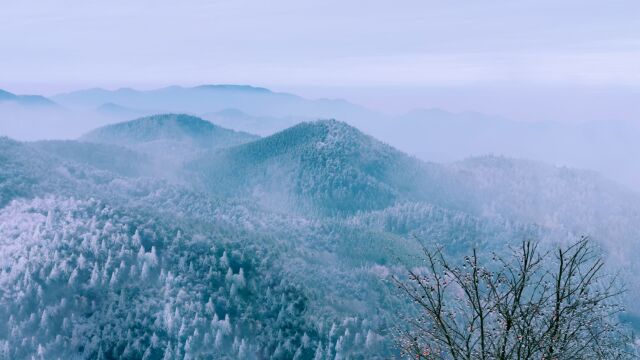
point(535, 304)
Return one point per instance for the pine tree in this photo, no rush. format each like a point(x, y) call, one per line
point(168, 354)
point(318, 354)
point(218, 342)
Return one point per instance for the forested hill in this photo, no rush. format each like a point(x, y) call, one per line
point(176, 127)
point(327, 166)
point(280, 247)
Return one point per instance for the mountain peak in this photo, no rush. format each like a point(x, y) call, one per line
point(173, 129)
point(326, 124)
point(325, 164)
point(5, 95)
point(152, 127)
point(319, 135)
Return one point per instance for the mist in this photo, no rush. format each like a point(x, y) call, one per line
point(438, 125)
point(304, 180)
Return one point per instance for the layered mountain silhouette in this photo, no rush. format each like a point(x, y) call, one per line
point(430, 134)
point(25, 100)
point(213, 98)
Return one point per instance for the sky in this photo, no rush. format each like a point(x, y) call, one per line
point(531, 60)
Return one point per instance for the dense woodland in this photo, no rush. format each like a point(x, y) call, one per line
point(168, 237)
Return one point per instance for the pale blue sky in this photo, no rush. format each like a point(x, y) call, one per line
point(321, 48)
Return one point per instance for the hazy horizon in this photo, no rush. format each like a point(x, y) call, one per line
point(553, 61)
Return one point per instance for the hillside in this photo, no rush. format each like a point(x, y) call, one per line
point(175, 127)
point(20, 170)
point(27, 172)
point(171, 136)
point(121, 266)
point(116, 159)
point(551, 196)
point(327, 165)
point(115, 284)
point(67, 168)
point(119, 262)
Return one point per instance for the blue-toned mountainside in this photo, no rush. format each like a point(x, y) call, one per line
point(69, 168)
point(168, 136)
point(113, 158)
point(429, 134)
point(27, 171)
point(25, 100)
point(213, 98)
point(328, 165)
point(142, 268)
point(105, 256)
point(21, 168)
point(577, 200)
point(172, 127)
point(332, 168)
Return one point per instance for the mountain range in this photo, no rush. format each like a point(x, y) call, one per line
point(168, 235)
point(605, 146)
point(25, 100)
point(434, 135)
point(213, 98)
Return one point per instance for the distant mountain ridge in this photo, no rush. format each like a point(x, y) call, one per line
point(113, 109)
point(213, 98)
point(443, 136)
point(26, 100)
point(437, 135)
point(169, 127)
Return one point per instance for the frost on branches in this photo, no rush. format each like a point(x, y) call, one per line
point(535, 304)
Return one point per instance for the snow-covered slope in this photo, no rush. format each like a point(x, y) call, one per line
point(101, 256)
point(83, 280)
point(123, 266)
point(116, 159)
point(327, 165)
